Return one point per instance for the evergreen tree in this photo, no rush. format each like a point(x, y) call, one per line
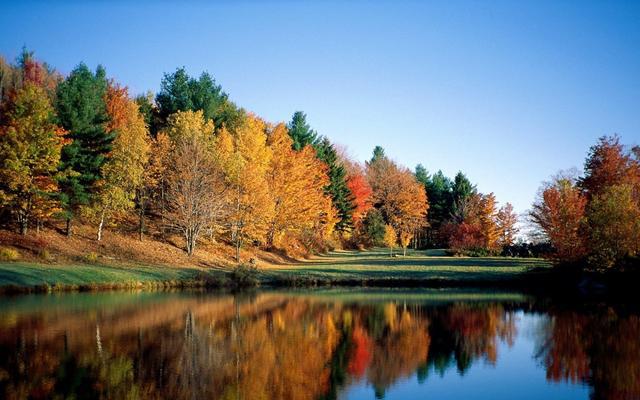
point(374, 227)
point(378, 154)
point(422, 175)
point(461, 190)
point(82, 112)
point(338, 190)
point(180, 92)
point(300, 131)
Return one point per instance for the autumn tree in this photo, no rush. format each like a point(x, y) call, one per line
point(390, 238)
point(608, 164)
point(296, 183)
point(82, 112)
point(613, 217)
point(124, 168)
point(195, 182)
point(487, 219)
point(373, 227)
point(560, 214)
point(30, 146)
point(405, 239)
point(506, 220)
point(397, 194)
point(361, 192)
point(245, 159)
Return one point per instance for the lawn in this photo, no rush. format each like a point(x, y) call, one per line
point(417, 265)
point(373, 266)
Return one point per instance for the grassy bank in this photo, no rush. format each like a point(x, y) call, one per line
point(346, 268)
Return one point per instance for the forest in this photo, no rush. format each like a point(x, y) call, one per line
point(188, 162)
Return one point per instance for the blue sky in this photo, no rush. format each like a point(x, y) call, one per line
point(508, 92)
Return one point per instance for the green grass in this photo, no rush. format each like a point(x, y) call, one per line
point(28, 275)
point(333, 268)
point(418, 265)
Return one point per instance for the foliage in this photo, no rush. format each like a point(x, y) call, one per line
point(301, 133)
point(195, 186)
point(30, 146)
point(296, 183)
point(245, 159)
point(374, 227)
point(82, 112)
point(180, 92)
point(123, 170)
point(390, 237)
point(9, 254)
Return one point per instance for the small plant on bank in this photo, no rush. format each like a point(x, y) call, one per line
point(91, 257)
point(245, 275)
point(8, 254)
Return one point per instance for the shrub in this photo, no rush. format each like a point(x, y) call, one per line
point(8, 254)
point(245, 275)
point(91, 257)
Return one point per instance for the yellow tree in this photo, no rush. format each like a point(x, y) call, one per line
point(123, 171)
point(296, 182)
point(487, 217)
point(195, 181)
point(405, 239)
point(390, 238)
point(246, 159)
point(506, 220)
point(30, 145)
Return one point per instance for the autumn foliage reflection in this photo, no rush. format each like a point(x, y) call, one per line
point(293, 347)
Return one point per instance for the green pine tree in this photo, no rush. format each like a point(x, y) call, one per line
point(82, 112)
point(301, 132)
point(338, 190)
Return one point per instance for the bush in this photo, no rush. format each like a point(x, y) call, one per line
point(8, 254)
point(245, 275)
point(91, 257)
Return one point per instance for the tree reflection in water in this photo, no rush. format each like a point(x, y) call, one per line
point(275, 346)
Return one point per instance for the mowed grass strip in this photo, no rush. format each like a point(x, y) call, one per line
point(27, 275)
point(378, 264)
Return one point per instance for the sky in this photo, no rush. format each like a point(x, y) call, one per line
point(507, 92)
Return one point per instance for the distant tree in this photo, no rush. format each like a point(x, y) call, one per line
point(608, 164)
point(405, 239)
point(560, 214)
point(461, 190)
point(341, 196)
point(373, 225)
point(301, 133)
point(154, 179)
point(30, 146)
point(123, 170)
point(613, 217)
point(180, 92)
point(507, 220)
point(378, 154)
point(487, 219)
point(422, 175)
point(361, 192)
point(82, 112)
point(439, 193)
point(390, 238)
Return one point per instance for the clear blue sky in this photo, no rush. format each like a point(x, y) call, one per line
point(508, 92)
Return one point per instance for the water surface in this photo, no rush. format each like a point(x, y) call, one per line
point(344, 344)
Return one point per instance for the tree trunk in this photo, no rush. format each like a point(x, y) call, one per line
point(68, 227)
point(23, 220)
point(100, 225)
point(238, 250)
point(141, 224)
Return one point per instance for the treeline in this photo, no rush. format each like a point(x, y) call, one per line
point(593, 220)
point(189, 161)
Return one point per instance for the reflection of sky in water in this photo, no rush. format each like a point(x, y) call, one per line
point(515, 375)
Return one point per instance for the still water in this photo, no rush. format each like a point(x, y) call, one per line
point(336, 344)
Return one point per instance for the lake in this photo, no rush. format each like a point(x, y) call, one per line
point(325, 344)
